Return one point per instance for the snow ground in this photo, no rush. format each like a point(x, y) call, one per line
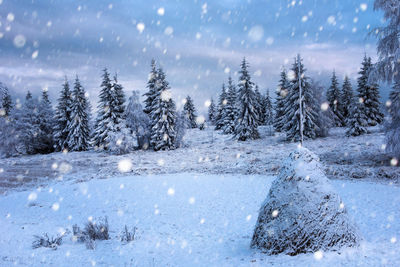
point(183, 220)
point(167, 195)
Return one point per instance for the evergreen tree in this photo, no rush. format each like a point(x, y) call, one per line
point(138, 121)
point(211, 112)
point(44, 142)
point(388, 67)
point(181, 126)
point(308, 109)
point(280, 100)
point(247, 120)
point(63, 117)
point(347, 98)
point(335, 103)
point(368, 92)
point(78, 138)
point(163, 117)
point(29, 123)
point(152, 92)
point(6, 102)
point(110, 110)
point(268, 110)
point(190, 112)
point(222, 101)
point(230, 109)
point(325, 115)
point(358, 121)
point(259, 106)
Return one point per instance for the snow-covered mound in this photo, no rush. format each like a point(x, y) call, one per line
point(302, 213)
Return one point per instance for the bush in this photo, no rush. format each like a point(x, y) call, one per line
point(45, 241)
point(127, 236)
point(97, 230)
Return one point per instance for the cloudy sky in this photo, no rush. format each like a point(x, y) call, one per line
point(198, 43)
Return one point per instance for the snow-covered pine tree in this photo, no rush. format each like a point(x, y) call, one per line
point(325, 114)
point(368, 91)
point(211, 112)
point(358, 121)
point(6, 102)
point(335, 102)
point(268, 109)
point(28, 123)
point(138, 121)
point(388, 67)
point(309, 107)
point(190, 112)
point(152, 92)
point(222, 101)
point(110, 110)
point(163, 117)
point(230, 109)
point(44, 141)
point(347, 98)
point(280, 100)
point(63, 117)
point(260, 106)
point(181, 126)
point(79, 132)
point(247, 120)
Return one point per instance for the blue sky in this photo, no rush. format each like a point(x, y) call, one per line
point(198, 43)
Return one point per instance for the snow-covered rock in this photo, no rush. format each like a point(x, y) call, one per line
point(302, 213)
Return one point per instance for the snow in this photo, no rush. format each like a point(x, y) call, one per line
point(197, 208)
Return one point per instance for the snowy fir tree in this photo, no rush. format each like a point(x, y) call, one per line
point(388, 67)
point(358, 121)
point(230, 109)
point(280, 101)
point(300, 108)
point(78, 138)
point(268, 109)
point(6, 101)
point(138, 121)
point(335, 102)
point(63, 117)
point(29, 123)
point(44, 141)
point(247, 120)
point(325, 114)
point(190, 112)
point(163, 117)
point(152, 92)
point(211, 112)
point(368, 92)
point(110, 110)
point(222, 101)
point(181, 126)
point(347, 98)
point(260, 105)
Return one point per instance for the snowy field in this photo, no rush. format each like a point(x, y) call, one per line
point(192, 206)
point(183, 220)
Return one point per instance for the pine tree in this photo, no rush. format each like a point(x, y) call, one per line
point(358, 122)
point(44, 138)
point(110, 110)
point(368, 92)
point(211, 112)
point(247, 120)
point(79, 132)
point(63, 117)
point(388, 67)
point(309, 108)
point(268, 109)
point(260, 106)
point(181, 126)
point(138, 121)
point(6, 102)
point(325, 115)
point(280, 100)
point(222, 101)
point(230, 109)
point(190, 112)
point(335, 103)
point(152, 92)
point(347, 98)
point(163, 117)
point(29, 124)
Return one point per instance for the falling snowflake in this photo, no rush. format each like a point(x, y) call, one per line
point(125, 165)
point(140, 27)
point(256, 33)
point(161, 11)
